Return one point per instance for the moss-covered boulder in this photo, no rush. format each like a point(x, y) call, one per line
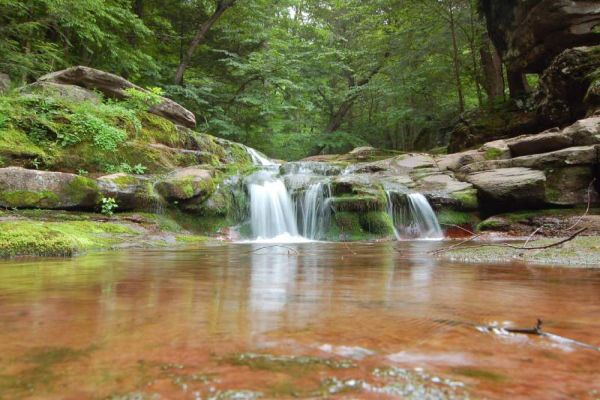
point(25, 188)
point(187, 183)
point(131, 192)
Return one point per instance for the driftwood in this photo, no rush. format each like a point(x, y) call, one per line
point(289, 249)
point(547, 246)
point(537, 331)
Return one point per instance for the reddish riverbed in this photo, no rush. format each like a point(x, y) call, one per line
point(235, 321)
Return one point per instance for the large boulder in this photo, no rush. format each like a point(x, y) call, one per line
point(69, 92)
point(528, 34)
point(4, 82)
point(131, 192)
point(567, 90)
point(26, 188)
point(114, 86)
point(187, 183)
point(509, 188)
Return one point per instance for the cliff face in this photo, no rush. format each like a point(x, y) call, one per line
point(530, 33)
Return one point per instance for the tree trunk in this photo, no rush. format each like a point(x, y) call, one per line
point(517, 84)
point(473, 48)
point(200, 36)
point(456, 61)
point(492, 70)
point(138, 8)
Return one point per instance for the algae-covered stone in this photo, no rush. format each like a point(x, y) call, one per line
point(187, 183)
point(377, 223)
point(25, 188)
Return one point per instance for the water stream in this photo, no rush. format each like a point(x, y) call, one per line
point(333, 320)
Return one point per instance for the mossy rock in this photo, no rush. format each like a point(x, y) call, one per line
point(377, 223)
point(467, 199)
point(187, 183)
point(24, 188)
point(346, 226)
point(452, 217)
point(358, 203)
point(15, 144)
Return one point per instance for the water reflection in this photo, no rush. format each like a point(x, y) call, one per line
point(390, 305)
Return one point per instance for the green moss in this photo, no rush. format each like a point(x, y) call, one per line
point(81, 188)
point(377, 223)
point(467, 199)
point(451, 217)
point(125, 180)
point(493, 224)
point(156, 129)
point(363, 203)
point(492, 154)
point(14, 144)
point(346, 226)
point(28, 199)
point(34, 238)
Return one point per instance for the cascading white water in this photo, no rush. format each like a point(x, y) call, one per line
point(314, 210)
point(413, 217)
point(271, 210)
point(272, 213)
point(258, 158)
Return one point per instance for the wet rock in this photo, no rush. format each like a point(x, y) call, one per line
point(496, 150)
point(114, 86)
point(69, 92)
point(131, 192)
point(4, 82)
point(187, 183)
point(509, 188)
point(25, 188)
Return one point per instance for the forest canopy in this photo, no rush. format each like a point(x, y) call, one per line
point(289, 77)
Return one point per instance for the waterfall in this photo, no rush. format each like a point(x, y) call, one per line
point(259, 158)
point(413, 216)
point(272, 213)
point(314, 211)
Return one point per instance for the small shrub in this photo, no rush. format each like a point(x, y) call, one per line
point(142, 100)
point(108, 206)
point(139, 169)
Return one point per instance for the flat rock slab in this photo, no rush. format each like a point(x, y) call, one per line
point(509, 188)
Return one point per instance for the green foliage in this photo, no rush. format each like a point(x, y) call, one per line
point(108, 205)
point(139, 100)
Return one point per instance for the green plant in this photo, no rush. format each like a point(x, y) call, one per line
point(82, 172)
point(141, 100)
point(108, 206)
point(138, 169)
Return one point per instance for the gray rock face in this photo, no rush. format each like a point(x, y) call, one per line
point(509, 188)
point(4, 82)
point(131, 192)
point(187, 183)
point(114, 86)
point(25, 188)
point(541, 143)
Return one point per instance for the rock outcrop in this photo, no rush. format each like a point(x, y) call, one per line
point(187, 183)
point(529, 34)
point(114, 86)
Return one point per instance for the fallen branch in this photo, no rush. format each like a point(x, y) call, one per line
point(587, 210)
point(532, 235)
point(289, 249)
point(568, 239)
point(442, 250)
